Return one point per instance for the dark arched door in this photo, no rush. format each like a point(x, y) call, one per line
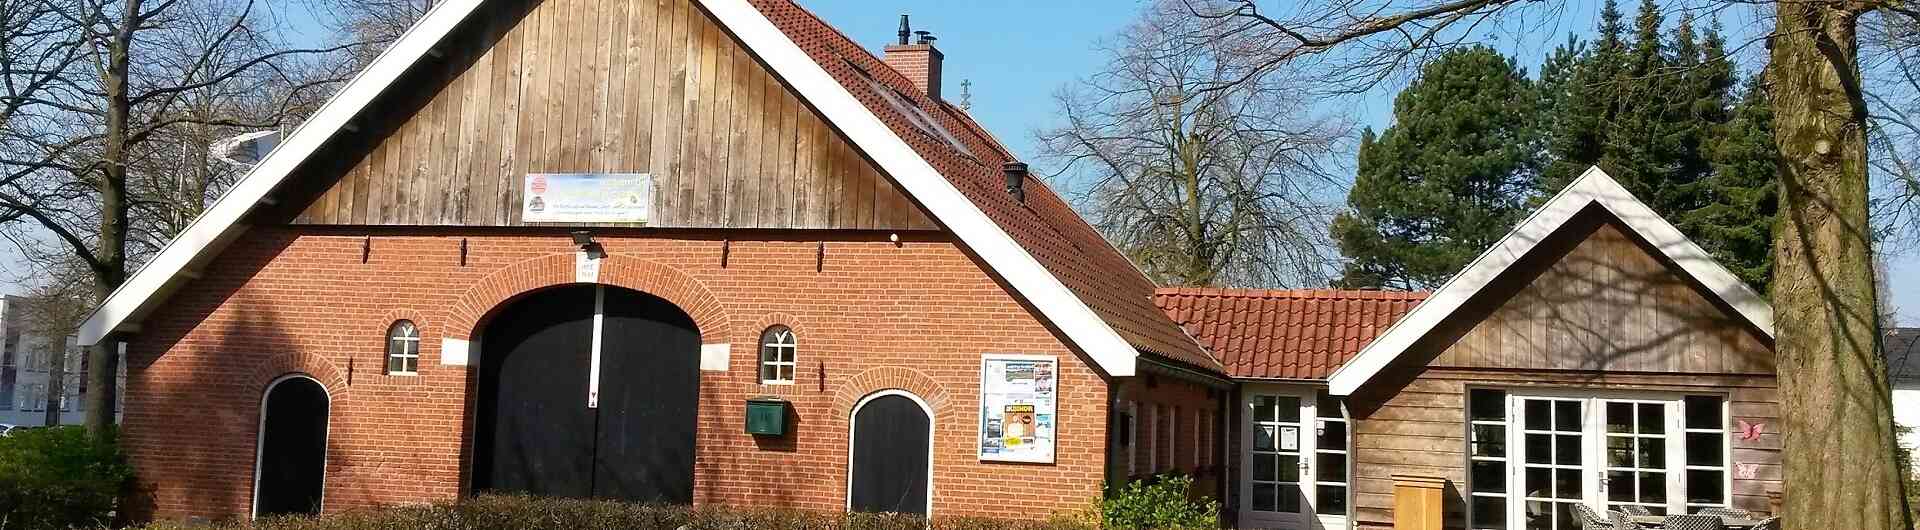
point(544, 427)
point(891, 450)
point(293, 448)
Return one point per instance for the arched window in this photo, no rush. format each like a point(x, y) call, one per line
point(403, 348)
point(777, 350)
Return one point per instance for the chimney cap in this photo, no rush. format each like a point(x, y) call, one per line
point(926, 37)
point(906, 30)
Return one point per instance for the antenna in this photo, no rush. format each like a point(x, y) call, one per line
point(966, 94)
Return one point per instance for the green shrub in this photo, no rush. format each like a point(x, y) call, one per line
point(59, 477)
point(518, 512)
point(1157, 503)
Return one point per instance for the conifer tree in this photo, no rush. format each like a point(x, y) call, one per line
point(1451, 176)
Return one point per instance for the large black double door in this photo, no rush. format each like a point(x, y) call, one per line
point(544, 427)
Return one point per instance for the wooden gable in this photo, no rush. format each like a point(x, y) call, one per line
point(600, 86)
point(1597, 298)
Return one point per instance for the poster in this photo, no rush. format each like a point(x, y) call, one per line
point(586, 198)
point(1017, 399)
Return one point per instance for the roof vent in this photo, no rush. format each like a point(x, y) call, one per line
point(1016, 172)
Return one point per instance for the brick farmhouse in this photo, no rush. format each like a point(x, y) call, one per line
point(716, 252)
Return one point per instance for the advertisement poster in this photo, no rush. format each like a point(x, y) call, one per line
point(586, 198)
point(1017, 399)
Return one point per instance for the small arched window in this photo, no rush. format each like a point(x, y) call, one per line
point(777, 351)
point(403, 348)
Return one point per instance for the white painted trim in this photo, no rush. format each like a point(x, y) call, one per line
point(920, 180)
point(221, 223)
point(260, 437)
point(599, 326)
point(1593, 187)
point(853, 423)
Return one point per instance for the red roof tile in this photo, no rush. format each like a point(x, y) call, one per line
point(1284, 334)
point(1045, 225)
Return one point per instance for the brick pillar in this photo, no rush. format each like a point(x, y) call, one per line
point(1418, 502)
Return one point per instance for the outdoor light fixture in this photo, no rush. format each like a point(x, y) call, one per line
point(584, 238)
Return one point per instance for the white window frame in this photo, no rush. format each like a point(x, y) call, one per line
point(1593, 438)
point(409, 351)
point(791, 362)
point(1726, 456)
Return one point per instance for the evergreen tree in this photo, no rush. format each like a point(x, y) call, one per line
point(1585, 98)
point(1737, 223)
point(1453, 174)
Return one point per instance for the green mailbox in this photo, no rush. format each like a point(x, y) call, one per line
point(767, 415)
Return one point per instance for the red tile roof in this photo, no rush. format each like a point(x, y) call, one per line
point(1284, 334)
point(1045, 224)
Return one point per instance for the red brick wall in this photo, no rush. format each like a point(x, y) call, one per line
point(915, 315)
point(1175, 405)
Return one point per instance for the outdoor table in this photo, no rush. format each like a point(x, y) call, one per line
point(1658, 521)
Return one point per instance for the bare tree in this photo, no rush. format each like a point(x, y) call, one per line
point(1836, 406)
point(1199, 187)
point(55, 304)
point(93, 89)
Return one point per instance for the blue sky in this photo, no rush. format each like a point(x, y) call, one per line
point(1017, 52)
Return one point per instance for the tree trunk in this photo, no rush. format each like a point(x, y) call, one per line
point(1836, 406)
point(56, 380)
point(111, 269)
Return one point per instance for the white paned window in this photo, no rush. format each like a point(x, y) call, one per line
point(1330, 457)
point(778, 351)
point(1707, 450)
point(403, 348)
point(1533, 455)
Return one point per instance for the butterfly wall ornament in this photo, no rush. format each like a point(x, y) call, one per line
point(1751, 431)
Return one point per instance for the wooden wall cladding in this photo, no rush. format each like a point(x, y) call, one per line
point(600, 86)
point(1610, 305)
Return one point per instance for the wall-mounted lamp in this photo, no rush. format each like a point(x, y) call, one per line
point(584, 239)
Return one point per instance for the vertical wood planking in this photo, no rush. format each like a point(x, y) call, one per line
point(719, 176)
point(544, 86)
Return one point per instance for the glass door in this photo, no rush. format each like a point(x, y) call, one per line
point(1294, 462)
point(1553, 449)
point(1636, 464)
point(1273, 468)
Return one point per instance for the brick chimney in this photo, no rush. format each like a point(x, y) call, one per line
point(917, 59)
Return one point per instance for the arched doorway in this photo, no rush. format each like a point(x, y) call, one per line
point(291, 460)
point(892, 454)
point(588, 391)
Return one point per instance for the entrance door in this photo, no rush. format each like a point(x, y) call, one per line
point(292, 459)
point(589, 391)
point(1553, 449)
point(1638, 447)
point(1294, 461)
point(892, 455)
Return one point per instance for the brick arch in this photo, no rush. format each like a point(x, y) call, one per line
point(891, 378)
point(466, 314)
point(315, 366)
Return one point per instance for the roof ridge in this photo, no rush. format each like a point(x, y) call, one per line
point(1304, 293)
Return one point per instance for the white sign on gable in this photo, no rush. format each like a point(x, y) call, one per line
point(586, 198)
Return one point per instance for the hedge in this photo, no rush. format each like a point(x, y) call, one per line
point(59, 477)
point(513, 512)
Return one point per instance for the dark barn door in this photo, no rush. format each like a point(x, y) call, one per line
point(890, 456)
point(293, 448)
point(537, 432)
point(649, 391)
